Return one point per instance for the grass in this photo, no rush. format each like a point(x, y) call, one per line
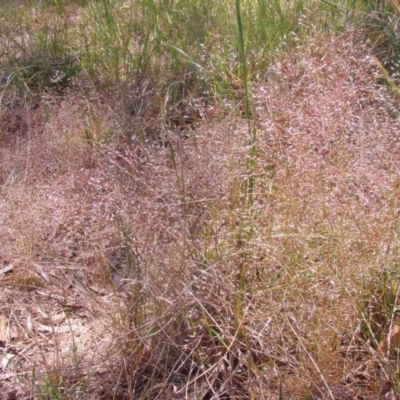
point(199, 200)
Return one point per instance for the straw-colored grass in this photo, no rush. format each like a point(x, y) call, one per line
point(190, 211)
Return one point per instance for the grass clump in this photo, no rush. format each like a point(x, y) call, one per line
point(199, 200)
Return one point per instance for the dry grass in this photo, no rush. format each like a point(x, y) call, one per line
point(123, 255)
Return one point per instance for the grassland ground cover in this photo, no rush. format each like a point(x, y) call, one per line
point(167, 233)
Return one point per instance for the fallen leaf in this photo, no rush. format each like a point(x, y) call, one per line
point(6, 269)
point(53, 319)
point(3, 330)
point(392, 343)
point(5, 359)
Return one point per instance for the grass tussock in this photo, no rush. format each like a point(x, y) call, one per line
point(192, 213)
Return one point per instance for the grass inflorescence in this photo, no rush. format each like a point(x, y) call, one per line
point(198, 199)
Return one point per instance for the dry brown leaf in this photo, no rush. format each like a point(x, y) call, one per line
point(53, 319)
point(396, 6)
point(3, 329)
point(393, 341)
point(29, 279)
point(5, 359)
point(29, 326)
point(52, 329)
point(42, 273)
point(7, 268)
point(386, 390)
